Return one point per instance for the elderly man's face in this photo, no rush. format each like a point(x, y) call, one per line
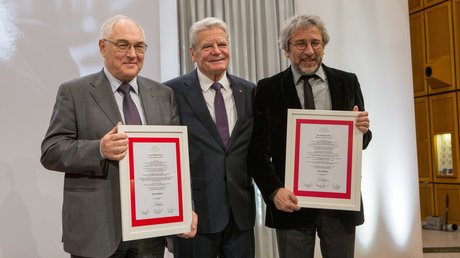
point(211, 53)
point(124, 65)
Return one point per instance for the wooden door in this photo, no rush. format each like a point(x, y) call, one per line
point(448, 195)
point(456, 8)
point(426, 200)
point(440, 68)
point(444, 137)
point(417, 39)
point(415, 5)
point(422, 127)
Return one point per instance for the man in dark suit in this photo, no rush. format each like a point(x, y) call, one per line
point(82, 141)
point(303, 39)
point(219, 139)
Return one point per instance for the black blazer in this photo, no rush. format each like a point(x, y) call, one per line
point(219, 176)
point(273, 97)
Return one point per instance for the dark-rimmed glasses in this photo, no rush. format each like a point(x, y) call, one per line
point(124, 46)
point(302, 45)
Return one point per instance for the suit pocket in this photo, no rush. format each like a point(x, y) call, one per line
point(79, 183)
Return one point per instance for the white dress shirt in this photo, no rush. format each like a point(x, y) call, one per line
point(115, 83)
point(227, 93)
point(319, 87)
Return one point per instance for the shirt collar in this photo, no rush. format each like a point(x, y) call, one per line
point(115, 83)
point(205, 82)
point(320, 73)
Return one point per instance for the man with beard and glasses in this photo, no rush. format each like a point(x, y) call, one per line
point(303, 39)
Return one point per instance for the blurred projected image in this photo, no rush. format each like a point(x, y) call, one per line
point(45, 42)
point(9, 33)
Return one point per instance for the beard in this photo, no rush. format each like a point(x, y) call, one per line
point(307, 70)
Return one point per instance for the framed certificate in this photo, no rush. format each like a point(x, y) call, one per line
point(323, 158)
point(155, 182)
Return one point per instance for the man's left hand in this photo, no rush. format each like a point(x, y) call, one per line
point(363, 120)
point(194, 226)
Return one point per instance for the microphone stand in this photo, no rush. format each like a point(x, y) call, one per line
point(447, 213)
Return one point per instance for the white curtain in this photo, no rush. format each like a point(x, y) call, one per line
point(254, 27)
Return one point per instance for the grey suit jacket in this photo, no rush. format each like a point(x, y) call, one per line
point(219, 175)
point(85, 110)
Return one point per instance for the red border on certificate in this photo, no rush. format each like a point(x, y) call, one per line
point(321, 175)
point(339, 195)
point(155, 148)
point(153, 221)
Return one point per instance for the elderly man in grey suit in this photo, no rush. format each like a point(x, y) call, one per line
point(217, 109)
point(82, 141)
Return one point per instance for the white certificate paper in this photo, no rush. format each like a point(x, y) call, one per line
point(323, 159)
point(155, 189)
point(156, 179)
point(323, 156)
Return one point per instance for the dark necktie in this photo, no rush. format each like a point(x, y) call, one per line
point(221, 113)
point(129, 108)
point(308, 98)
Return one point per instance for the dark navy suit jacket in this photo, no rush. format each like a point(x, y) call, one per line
point(220, 179)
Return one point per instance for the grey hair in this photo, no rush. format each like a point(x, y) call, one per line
point(106, 29)
point(205, 24)
point(300, 22)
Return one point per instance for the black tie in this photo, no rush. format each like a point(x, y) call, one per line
point(129, 108)
point(221, 114)
point(307, 92)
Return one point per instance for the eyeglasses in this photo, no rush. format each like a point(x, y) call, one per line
point(302, 45)
point(123, 45)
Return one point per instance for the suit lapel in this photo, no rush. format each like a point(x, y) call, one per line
point(239, 95)
point(148, 100)
point(336, 87)
point(339, 96)
point(289, 91)
point(102, 93)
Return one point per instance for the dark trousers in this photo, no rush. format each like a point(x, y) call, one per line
point(144, 248)
point(336, 239)
point(230, 243)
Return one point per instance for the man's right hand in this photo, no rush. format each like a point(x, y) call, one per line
point(114, 145)
point(285, 200)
